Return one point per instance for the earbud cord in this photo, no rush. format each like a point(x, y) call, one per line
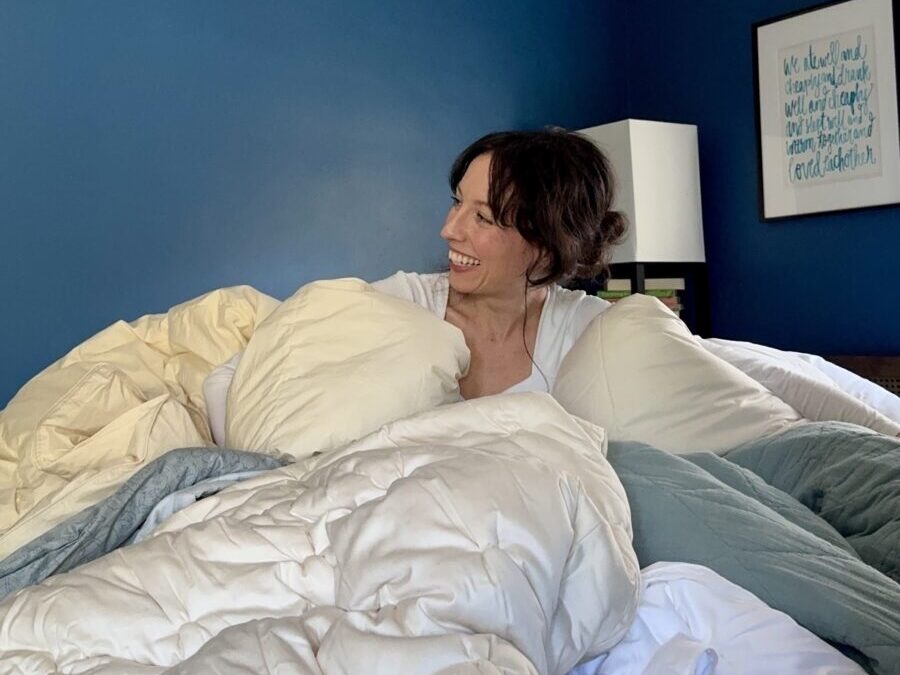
point(525, 342)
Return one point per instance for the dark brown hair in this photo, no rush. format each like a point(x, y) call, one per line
point(556, 188)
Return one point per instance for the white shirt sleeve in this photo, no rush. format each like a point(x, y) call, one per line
point(215, 393)
point(397, 285)
point(429, 291)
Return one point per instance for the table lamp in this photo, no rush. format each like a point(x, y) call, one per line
point(658, 190)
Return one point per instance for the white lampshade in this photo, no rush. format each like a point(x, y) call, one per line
point(657, 188)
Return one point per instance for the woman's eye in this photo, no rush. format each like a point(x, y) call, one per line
point(456, 202)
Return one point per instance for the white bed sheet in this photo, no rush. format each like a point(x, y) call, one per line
point(691, 621)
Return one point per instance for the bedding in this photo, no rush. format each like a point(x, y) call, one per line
point(490, 532)
point(484, 536)
point(884, 401)
point(682, 512)
point(801, 385)
point(107, 525)
point(753, 533)
point(82, 426)
point(333, 346)
point(692, 621)
point(638, 372)
point(180, 499)
point(847, 475)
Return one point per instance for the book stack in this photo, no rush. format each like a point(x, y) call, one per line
point(668, 291)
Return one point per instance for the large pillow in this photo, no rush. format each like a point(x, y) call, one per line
point(335, 362)
point(801, 385)
point(638, 372)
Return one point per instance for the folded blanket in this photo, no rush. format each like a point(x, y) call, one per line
point(105, 526)
point(682, 512)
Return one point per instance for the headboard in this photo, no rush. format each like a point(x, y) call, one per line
point(882, 370)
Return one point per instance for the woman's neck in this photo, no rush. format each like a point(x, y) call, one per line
point(501, 316)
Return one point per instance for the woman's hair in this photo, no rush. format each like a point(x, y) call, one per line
point(556, 188)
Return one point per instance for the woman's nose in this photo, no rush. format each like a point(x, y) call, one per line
point(452, 228)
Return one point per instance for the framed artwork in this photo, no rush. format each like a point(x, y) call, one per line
point(826, 108)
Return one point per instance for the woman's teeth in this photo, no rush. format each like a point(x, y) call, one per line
point(459, 259)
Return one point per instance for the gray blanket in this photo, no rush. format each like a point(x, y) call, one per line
point(707, 510)
point(105, 526)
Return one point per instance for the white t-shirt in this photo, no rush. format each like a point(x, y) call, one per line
point(564, 317)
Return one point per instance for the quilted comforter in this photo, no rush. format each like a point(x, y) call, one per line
point(488, 536)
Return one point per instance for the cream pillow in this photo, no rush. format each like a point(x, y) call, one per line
point(638, 372)
point(335, 362)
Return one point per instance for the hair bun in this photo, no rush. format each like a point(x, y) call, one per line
point(595, 257)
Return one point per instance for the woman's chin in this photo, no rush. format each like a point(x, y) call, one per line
point(463, 282)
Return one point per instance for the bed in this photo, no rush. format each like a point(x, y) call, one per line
point(367, 520)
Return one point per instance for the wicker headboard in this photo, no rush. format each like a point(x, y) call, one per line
point(882, 370)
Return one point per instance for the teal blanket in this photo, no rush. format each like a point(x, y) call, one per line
point(845, 474)
point(808, 521)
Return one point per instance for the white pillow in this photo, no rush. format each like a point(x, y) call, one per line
point(799, 384)
point(335, 362)
point(884, 401)
point(638, 372)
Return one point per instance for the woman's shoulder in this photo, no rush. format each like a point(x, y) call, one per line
point(577, 302)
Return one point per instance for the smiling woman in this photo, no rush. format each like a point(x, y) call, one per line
point(528, 211)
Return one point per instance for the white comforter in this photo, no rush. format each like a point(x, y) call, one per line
point(489, 536)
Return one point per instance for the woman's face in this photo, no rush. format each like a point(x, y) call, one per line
point(484, 258)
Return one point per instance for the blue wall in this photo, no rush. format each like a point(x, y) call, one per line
point(152, 151)
point(827, 284)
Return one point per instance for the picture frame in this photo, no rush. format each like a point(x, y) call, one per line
point(827, 120)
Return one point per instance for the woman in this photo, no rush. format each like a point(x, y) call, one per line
point(529, 210)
